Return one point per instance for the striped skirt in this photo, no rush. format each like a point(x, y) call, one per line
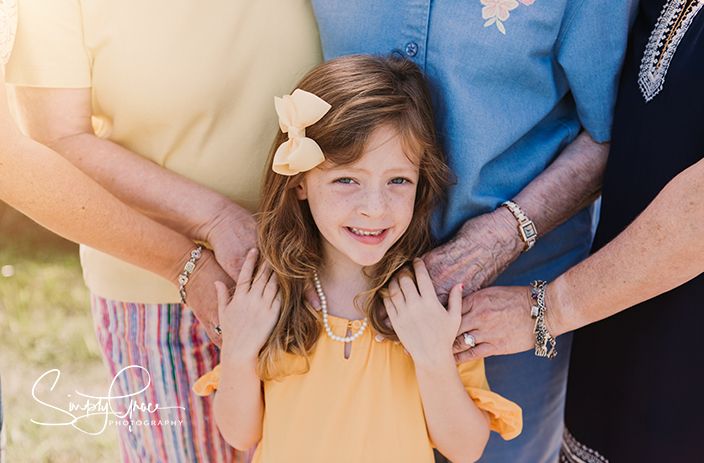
point(156, 352)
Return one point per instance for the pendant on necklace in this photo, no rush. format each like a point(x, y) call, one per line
point(324, 308)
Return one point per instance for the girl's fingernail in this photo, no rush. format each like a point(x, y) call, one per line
point(378, 338)
point(462, 287)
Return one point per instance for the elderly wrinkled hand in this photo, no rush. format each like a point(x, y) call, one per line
point(201, 295)
point(231, 234)
point(476, 256)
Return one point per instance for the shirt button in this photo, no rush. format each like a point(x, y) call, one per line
point(356, 324)
point(412, 49)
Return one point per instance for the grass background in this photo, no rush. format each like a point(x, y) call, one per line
point(45, 324)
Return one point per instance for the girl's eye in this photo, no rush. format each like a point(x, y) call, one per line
point(344, 180)
point(399, 181)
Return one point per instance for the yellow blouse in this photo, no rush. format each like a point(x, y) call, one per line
point(366, 408)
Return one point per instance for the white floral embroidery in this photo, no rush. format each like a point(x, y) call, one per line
point(573, 451)
point(8, 26)
point(497, 11)
point(663, 43)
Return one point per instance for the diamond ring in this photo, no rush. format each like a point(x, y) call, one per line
point(469, 340)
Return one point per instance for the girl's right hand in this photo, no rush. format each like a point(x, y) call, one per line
point(249, 317)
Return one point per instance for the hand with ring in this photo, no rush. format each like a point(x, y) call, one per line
point(499, 320)
point(468, 340)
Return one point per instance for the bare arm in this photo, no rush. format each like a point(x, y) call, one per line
point(44, 186)
point(456, 426)
point(571, 183)
point(662, 249)
point(487, 244)
point(61, 119)
point(239, 404)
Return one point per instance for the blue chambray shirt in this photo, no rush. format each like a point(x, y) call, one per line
point(513, 83)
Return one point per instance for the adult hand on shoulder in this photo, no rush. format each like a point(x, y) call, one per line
point(476, 255)
point(231, 234)
point(498, 318)
point(200, 293)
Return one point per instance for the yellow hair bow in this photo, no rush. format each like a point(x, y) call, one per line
point(296, 112)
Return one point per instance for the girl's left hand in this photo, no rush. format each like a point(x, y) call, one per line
point(249, 318)
point(426, 329)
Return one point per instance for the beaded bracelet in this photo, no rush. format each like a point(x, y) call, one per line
point(188, 269)
point(545, 344)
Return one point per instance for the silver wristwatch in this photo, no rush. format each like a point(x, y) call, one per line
point(526, 227)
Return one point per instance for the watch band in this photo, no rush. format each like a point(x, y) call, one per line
point(526, 227)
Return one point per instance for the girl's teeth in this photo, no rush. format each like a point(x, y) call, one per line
point(363, 233)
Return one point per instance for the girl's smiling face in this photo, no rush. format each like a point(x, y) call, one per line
point(362, 209)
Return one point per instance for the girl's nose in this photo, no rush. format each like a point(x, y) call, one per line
point(373, 204)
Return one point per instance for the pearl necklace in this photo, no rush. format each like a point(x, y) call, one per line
point(324, 308)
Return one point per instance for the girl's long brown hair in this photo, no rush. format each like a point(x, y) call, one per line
point(366, 92)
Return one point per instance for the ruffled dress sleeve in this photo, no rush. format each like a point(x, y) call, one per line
point(207, 383)
point(506, 416)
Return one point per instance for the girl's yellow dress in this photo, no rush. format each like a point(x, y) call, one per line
point(366, 408)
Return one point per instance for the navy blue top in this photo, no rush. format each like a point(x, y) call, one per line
point(636, 383)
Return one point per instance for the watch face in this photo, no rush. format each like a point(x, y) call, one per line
point(529, 231)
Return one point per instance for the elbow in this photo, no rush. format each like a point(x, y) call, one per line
point(469, 455)
point(61, 143)
point(238, 436)
point(240, 443)
point(472, 457)
point(472, 450)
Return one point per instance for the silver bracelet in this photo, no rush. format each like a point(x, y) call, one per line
point(187, 270)
point(545, 344)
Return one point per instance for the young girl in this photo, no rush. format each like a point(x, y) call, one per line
point(346, 205)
